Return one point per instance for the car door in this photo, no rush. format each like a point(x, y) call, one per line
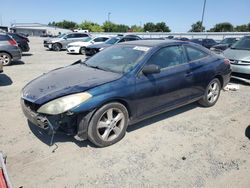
point(167, 89)
point(199, 62)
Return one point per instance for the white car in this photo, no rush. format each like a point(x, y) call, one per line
point(79, 47)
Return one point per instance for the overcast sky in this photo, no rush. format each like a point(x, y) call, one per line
point(178, 14)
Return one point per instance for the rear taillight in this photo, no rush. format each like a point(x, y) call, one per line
point(226, 61)
point(12, 42)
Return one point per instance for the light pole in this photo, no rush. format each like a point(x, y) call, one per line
point(203, 12)
point(109, 13)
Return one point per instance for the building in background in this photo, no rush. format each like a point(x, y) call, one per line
point(37, 29)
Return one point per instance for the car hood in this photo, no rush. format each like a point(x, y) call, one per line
point(241, 55)
point(79, 43)
point(98, 46)
point(64, 81)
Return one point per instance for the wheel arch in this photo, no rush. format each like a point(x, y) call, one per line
point(220, 78)
point(7, 53)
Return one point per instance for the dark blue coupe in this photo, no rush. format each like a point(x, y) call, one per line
point(97, 99)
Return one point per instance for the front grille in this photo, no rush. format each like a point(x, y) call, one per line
point(32, 106)
point(236, 62)
point(241, 75)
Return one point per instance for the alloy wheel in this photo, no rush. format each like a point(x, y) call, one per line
point(213, 92)
point(111, 124)
point(5, 59)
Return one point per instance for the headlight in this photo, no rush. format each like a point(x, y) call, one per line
point(212, 48)
point(101, 49)
point(64, 104)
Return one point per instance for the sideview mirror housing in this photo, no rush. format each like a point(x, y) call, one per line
point(151, 69)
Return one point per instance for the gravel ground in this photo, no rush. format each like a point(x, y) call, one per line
point(188, 147)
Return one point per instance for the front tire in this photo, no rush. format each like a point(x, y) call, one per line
point(108, 125)
point(212, 93)
point(82, 50)
point(5, 58)
point(57, 47)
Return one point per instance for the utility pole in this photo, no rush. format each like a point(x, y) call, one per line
point(203, 12)
point(109, 13)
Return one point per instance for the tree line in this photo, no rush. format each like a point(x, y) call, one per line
point(109, 26)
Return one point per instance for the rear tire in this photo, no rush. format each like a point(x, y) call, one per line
point(212, 93)
point(5, 58)
point(57, 47)
point(108, 125)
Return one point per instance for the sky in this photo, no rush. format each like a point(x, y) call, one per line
point(179, 15)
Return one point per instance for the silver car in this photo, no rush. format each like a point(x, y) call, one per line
point(60, 42)
point(239, 56)
point(9, 50)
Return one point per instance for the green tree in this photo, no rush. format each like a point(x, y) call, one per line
point(161, 27)
point(91, 26)
point(64, 24)
point(150, 27)
point(197, 27)
point(242, 28)
point(108, 26)
point(135, 28)
point(158, 27)
point(121, 28)
point(222, 27)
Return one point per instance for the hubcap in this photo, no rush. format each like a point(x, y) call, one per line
point(4, 59)
point(111, 124)
point(213, 92)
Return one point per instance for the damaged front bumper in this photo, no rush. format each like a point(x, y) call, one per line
point(68, 123)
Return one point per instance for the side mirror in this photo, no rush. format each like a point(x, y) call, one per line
point(65, 38)
point(151, 69)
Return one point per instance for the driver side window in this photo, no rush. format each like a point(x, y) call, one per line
point(168, 57)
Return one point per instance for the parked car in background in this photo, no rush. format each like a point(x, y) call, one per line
point(60, 42)
point(224, 44)
point(95, 48)
point(208, 43)
point(23, 42)
point(9, 50)
point(79, 47)
point(239, 56)
point(181, 38)
point(122, 85)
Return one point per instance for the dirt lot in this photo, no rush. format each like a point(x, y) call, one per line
point(188, 147)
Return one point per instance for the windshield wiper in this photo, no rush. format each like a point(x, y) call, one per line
point(96, 67)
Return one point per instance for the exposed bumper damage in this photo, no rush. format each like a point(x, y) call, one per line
point(68, 123)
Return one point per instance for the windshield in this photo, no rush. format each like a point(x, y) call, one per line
point(228, 41)
point(112, 40)
point(118, 59)
point(61, 35)
point(243, 44)
point(87, 39)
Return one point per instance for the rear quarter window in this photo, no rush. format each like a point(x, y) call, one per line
point(194, 53)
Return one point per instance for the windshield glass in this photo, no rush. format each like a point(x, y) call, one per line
point(227, 41)
point(112, 40)
point(243, 44)
point(61, 35)
point(87, 39)
point(118, 59)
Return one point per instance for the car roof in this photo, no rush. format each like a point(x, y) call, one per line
point(152, 43)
